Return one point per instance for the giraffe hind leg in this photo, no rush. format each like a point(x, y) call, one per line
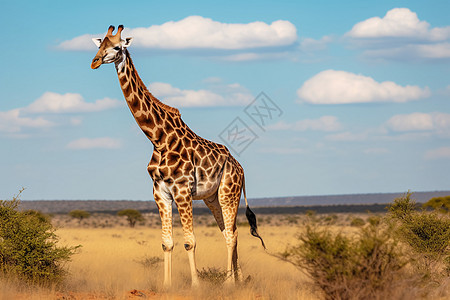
point(229, 193)
point(230, 234)
point(213, 204)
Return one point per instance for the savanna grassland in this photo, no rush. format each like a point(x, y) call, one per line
point(119, 262)
point(116, 261)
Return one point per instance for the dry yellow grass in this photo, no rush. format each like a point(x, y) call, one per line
point(109, 265)
point(115, 260)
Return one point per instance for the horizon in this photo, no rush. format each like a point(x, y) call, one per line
point(268, 197)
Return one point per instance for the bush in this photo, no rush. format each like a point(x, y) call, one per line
point(214, 276)
point(345, 268)
point(330, 219)
point(79, 214)
point(150, 262)
point(426, 234)
point(441, 204)
point(357, 222)
point(28, 247)
point(132, 215)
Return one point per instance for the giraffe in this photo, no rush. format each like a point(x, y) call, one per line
point(184, 166)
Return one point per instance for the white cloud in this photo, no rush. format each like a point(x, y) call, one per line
point(197, 32)
point(16, 120)
point(412, 51)
point(95, 143)
point(219, 95)
point(340, 87)
point(12, 121)
point(411, 122)
point(325, 123)
point(398, 22)
point(51, 102)
point(436, 122)
point(401, 35)
point(439, 153)
point(440, 50)
point(82, 42)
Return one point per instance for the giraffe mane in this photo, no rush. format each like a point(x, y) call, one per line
point(154, 99)
point(163, 105)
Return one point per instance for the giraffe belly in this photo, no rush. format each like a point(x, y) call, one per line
point(205, 190)
point(206, 182)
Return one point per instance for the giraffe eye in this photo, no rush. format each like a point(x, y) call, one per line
point(117, 48)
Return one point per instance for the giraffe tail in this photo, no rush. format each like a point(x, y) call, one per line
point(251, 219)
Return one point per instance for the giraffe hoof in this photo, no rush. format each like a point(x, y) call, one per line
point(166, 249)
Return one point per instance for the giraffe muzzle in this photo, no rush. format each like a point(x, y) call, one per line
point(96, 62)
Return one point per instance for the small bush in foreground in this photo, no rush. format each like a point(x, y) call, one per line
point(427, 234)
point(346, 268)
point(150, 262)
point(28, 246)
point(213, 276)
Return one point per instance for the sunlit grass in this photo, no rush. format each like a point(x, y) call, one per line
point(110, 264)
point(114, 261)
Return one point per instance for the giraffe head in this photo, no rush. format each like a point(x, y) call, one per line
point(111, 48)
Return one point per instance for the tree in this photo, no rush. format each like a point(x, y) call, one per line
point(29, 246)
point(132, 215)
point(79, 214)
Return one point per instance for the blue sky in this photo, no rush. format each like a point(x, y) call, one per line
point(361, 91)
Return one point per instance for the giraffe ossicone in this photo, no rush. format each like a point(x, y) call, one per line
point(183, 167)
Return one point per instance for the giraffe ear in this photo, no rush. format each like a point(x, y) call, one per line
point(97, 42)
point(127, 42)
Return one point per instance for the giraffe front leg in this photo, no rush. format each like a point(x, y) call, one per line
point(184, 203)
point(165, 211)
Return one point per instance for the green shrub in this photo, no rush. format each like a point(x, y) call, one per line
point(330, 219)
point(427, 234)
point(291, 219)
point(132, 215)
point(441, 204)
point(310, 213)
point(79, 214)
point(357, 222)
point(38, 215)
point(28, 247)
point(402, 208)
point(345, 268)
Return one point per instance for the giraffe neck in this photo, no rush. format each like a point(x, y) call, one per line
point(156, 119)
